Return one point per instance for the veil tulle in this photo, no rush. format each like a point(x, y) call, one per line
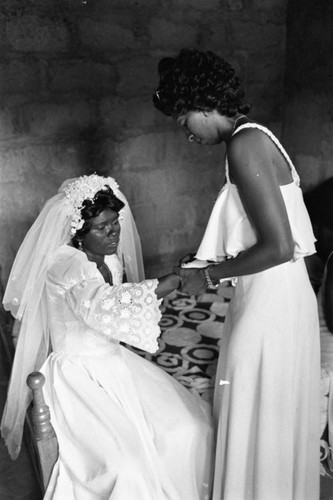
point(25, 300)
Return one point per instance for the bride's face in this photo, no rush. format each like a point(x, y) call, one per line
point(103, 237)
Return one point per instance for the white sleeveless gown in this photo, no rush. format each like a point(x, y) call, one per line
point(267, 417)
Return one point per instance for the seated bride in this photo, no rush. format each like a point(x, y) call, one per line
point(125, 428)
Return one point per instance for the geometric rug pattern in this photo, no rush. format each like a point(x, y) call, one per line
point(190, 340)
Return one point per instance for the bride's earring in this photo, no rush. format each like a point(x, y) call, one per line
point(80, 245)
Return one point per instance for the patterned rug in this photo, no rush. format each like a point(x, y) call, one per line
point(190, 339)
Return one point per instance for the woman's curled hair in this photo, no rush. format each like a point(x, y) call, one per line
point(103, 199)
point(198, 81)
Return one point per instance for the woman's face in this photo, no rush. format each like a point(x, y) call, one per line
point(103, 237)
point(204, 127)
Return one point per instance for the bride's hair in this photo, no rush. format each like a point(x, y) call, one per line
point(198, 81)
point(103, 199)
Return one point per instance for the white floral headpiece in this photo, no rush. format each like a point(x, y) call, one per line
point(85, 188)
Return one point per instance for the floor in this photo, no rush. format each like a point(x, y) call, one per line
point(185, 357)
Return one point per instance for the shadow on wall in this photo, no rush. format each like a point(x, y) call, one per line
point(96, 154)
point(319, 202)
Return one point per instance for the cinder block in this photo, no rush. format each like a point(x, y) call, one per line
point(133, 116)
point(269, 5)
point(77, 75)
point(137, 76)
point(113, 114)
point(129, 5)
point(21, 162)
point(217, 40)
point(65, 119)
point(31, 33)
point(267, 66)
point(235, 5)
point(246, 32)
point(19, 76)
point(266, 100)
point(15, 7)
point(106, 36)
point(7, 121)
point(145, 151)
point(171, 35)
point(12, 165)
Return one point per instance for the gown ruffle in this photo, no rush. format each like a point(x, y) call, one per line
point(229, 230)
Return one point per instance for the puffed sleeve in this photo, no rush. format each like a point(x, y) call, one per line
point(128, 312)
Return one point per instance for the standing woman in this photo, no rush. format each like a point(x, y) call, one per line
point(267, 414)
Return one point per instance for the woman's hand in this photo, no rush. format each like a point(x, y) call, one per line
point(167, 284)
point(187, 258)
point(192, 282)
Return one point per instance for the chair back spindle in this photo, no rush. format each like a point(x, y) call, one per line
point(40, 412)
point(46, 445)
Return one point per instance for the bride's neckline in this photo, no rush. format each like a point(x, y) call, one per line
point(105, 272)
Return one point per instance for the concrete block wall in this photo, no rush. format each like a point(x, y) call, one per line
point(76, 79)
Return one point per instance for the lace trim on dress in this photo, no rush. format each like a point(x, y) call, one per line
point(129, 312)
point(130, 317)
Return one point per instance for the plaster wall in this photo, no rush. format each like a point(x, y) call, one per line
point(308, 109)
point(76, 79)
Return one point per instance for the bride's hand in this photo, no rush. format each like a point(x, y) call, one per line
point(192, 282)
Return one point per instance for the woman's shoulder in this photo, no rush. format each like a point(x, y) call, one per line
point(250, 132)
point(67, 253)
point(248, 144)
point(251, 126)
point(256, 140)
point(69, 262)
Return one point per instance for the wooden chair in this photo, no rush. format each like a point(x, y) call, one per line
point(38, 431)
point(41, 437)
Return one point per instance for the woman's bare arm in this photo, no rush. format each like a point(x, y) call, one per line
point(252, 168)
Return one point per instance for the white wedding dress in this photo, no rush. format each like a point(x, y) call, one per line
point(126, 429)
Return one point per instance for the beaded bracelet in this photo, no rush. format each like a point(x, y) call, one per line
point(208, 279)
